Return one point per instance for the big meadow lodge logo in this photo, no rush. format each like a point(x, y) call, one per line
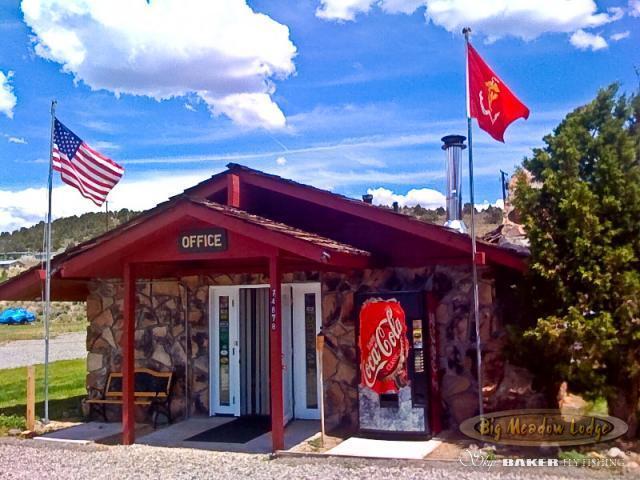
point(543, 427)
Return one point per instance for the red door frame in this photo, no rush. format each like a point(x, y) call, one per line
point(275, 353)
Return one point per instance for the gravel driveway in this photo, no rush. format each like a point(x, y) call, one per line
point(33, 459)
point(27, 352)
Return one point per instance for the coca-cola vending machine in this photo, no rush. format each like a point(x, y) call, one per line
point(393, 391)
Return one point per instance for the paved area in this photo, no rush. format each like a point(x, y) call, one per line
point(31, 352)
point(28, 459)
point(175, 435)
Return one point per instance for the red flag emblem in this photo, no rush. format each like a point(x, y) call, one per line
point(490, 100)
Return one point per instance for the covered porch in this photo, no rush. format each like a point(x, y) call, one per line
point(184, 435)
point(205, 238)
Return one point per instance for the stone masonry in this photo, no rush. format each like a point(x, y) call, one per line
point(504, 386)
point(172, 334)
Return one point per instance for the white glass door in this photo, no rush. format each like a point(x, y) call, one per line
point(224, 351)
point(287, 354)
point(307, 320)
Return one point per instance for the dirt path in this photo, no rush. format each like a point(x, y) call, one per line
point(27, 352)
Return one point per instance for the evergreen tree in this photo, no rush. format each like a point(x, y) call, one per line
point(582, 216)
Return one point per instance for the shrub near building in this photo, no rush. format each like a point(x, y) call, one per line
point(582, 215)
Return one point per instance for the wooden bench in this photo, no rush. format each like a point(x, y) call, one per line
point(151, 388)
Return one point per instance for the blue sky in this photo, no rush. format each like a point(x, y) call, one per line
point(348, 95)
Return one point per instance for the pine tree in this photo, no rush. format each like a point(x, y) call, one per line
point(582, 216)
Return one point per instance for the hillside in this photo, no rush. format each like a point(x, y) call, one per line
point(70, 231)
point(486, 220)
point(66, 232)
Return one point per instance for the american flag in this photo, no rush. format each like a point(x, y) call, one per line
point(80, 166)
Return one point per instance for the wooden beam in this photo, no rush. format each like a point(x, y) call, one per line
point(233, 190)
point(275, 354)
point(128, 367)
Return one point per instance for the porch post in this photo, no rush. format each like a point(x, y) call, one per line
point(128, 367)
point(275, 349)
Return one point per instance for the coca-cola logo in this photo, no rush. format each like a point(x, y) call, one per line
point(384, 346)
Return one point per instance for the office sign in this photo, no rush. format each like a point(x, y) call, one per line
point(203, 240)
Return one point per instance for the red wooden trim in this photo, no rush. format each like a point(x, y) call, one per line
point(281, 240)
point(275, 354)
point(233, 190)
point(128, 367)
point(209, 187)
point(26, 286)
point(435, 411)
point(112, 248)
point(481, 258)
point(375, 214)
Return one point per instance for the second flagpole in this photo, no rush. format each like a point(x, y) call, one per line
point(474, 267)
point(47, 287)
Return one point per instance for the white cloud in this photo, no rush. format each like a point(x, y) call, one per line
point(634, 8)
point(18, 140)
point(425, 197)
point(585, 41)
point(221, 51)
point(616, 37)
point(7, 97)
point(342, 9)
point(480, 207)
point(493, 18)
point(99, 126)
point(103, 145)
point(281, 161)
point(189, 107)
point(23, 208)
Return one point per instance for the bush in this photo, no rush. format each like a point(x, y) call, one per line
point(7, 422)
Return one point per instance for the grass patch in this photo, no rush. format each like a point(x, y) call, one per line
point(7, 422)
point(66, 389)
point(35, 331)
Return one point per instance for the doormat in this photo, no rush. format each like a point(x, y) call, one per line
point(240, 430)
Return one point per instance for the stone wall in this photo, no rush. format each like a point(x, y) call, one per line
point(456, 337)
point(172, 334)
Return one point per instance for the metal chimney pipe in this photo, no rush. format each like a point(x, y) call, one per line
point(453, 146)
point(367, 198)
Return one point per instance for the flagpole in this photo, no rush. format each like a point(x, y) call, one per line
point(106, 211)
point(47, 291)
point(474, 267)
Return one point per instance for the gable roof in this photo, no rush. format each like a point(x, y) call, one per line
point(412, 236)
point(439, 234)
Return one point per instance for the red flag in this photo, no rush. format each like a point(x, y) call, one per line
point(490, 100)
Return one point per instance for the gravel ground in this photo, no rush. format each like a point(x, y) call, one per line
point(32, 459)
point(30, 352)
